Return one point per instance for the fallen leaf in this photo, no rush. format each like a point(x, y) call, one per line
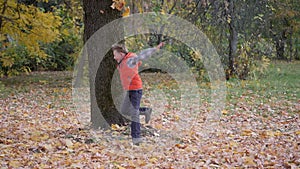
point(14, 164)
point(126, 12)
point(153, 160)
point(68, 143)
point(224, 112)
point(246, 132)
point(249, 161)
point(119, 167)
point(181, 146)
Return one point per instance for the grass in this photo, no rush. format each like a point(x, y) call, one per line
point(25, 82)
point(276, 91)
point(280, 81)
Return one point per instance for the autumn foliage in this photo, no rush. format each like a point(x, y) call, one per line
point(29, 32)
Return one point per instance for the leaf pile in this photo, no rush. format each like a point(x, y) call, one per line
point(39, 129)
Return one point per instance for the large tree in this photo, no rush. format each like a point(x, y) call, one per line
point(97, 15)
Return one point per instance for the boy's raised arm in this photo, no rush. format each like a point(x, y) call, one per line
point(144, 54)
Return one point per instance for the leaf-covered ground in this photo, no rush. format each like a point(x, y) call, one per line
point(260, 127)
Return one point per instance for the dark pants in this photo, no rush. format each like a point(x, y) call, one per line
point(131, 107)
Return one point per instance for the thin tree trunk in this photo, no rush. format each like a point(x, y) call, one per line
point(280, 46)
point(291, 45)
point(233, 39)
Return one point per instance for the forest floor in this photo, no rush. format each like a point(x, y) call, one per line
point(259, 126)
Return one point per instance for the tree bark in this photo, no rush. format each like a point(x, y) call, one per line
point(233, 38)
point(291, 57)
point(98, 14)
point(280, 45)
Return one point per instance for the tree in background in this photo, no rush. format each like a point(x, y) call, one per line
point(284, 26)
point(27, 30)
point(27, 26)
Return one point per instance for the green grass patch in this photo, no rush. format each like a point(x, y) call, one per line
point(279, 85)
point(280, 81)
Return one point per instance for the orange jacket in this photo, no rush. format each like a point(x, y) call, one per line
point(130, 78)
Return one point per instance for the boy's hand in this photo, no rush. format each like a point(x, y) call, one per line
point(160, 45)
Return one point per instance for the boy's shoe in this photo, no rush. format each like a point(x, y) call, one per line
point(148, 115)
point(137, 141)
point(147, 112)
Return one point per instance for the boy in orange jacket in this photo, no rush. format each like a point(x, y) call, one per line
point(128, 64)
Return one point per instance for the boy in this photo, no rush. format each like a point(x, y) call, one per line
point(128, 64)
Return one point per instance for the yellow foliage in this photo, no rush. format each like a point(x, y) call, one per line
point(139, 6)
point(196, 55)
point(126, 12)
point(29, 26)
point(7, 61)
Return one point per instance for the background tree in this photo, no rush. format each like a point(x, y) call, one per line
point(284, 27)
point(38, 35)
point(28, 26)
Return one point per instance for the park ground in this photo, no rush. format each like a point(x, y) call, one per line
point(259, 127)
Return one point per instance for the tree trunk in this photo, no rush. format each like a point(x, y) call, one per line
point(233, 39)
point(291, 57)
point(280, 46)
point(98, 14)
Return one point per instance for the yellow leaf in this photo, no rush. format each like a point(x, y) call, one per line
point(270, 133)
point(140, 8)
point(229, 19)
point(297, 132)
point(15, 164)
point(115, 127)
point(44, 137)
point(126, 12)
point(48, 147)
point(78, 165)
point(225, 112)
point(118, 4)
point(158, 126)
point(177, 118)
point(153, 160)
point(233, 144)
point(278, 133)
point(266, 134)
point(7, 61)
point(36, 136)
point(65, 90)
point(246, 132)
point(68, 143)
point(249, 161)
point(119, 167)
point(181, 146)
